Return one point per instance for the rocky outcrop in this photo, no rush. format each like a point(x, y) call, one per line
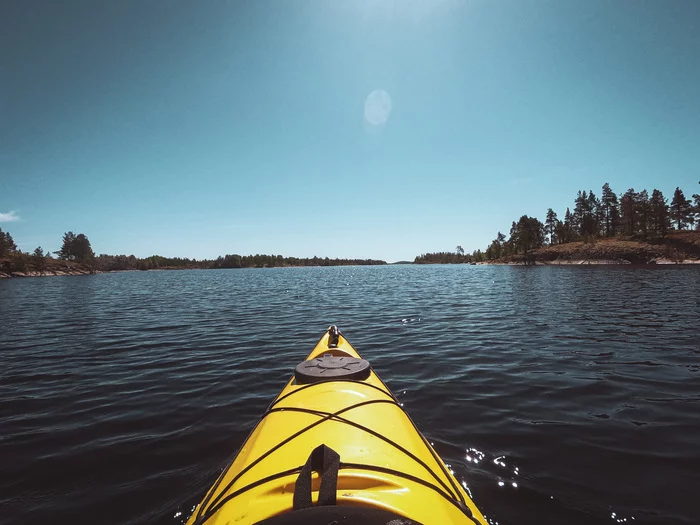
point(47, 273)
point(681, 247)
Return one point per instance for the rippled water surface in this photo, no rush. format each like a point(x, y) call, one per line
point(559, 395)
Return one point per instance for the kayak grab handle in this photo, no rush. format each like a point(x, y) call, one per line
point(326, 462)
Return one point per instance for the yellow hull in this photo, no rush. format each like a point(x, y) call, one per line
point(385, 462)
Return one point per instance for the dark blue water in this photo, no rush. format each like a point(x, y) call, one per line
point(559, 395)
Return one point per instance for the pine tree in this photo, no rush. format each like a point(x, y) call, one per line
point(628, 212)
point(591, 220)
point(643, 211)
point(550, 225)
point(580, 213)
point(610, 210)
point(527, 234)
point(696, 209)
point(681, 210)
point(66, 251)
point(7, 244)
point(76, 247)
point(660, 221)
point(39, 259)
point(568, 226)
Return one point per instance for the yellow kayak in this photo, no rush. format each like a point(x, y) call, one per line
point(335, 446)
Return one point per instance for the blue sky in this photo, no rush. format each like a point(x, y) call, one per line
point(202, 128)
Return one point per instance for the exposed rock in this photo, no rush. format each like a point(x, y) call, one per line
point(678, 247)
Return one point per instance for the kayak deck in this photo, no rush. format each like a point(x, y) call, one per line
point(384, 463)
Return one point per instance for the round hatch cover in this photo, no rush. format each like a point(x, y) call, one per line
point(331, 368)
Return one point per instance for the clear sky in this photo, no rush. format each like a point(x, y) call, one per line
point(196, 129)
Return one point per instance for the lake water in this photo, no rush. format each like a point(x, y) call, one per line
point(559, 395)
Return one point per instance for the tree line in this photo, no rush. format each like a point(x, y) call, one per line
point(632, 215)
point(76, 248)
point(458, 257)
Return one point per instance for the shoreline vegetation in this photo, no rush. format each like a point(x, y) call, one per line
point(77, 258)
point(634, 228)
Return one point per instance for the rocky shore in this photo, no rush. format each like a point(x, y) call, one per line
point(47, 273)
point(681, 247)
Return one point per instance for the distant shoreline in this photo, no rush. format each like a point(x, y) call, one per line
point(85, 271)
point(569, 263)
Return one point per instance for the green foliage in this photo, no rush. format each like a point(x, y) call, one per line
point(65, 252)
point(628, 212)
point(19, 262)
point(38, 259)
point(7, 244)
point(106, 262)
point(76, 248)
point(681, 210)
point(527, 234)
point(272, 261)
point(496, 249)
point(609, 210)
point(442, 258)
point(643, 210)
point(565, 231)
point(550, 225)
point(586, 214)
point(634, 214)
point(658, 207)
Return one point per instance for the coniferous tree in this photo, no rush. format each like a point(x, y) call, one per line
point(495, 249)
point(39, 259)
point(568, 226)
point(610, 210)
point(77, 248)
point(550, 225)
point(628, 212)
point(591, 218)
point(681, 210)
point(66, 251)
point(82, 249)
point(643, 211)
point(660, 221)
point(580, 213)
point(7, 244)
point(527, 234)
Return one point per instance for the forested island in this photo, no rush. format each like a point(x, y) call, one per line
point(635, 228)
point(76, 257)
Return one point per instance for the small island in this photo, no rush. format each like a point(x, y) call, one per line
point(635, 228)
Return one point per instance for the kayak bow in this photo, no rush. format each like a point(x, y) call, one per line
point(336, 446)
